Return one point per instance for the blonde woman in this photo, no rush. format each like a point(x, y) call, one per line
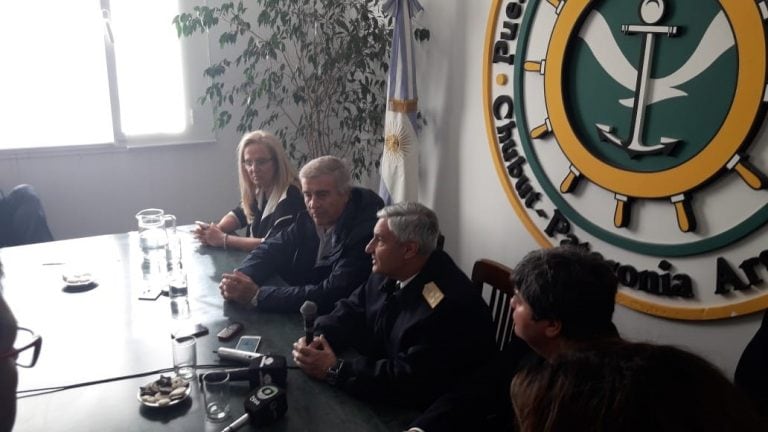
point(269, 196)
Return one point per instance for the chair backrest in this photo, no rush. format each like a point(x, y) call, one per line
point(497, 276)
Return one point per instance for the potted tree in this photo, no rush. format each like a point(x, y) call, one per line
point(311, 71)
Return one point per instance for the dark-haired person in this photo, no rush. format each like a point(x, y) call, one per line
point(22, 218)
point(321, 257)
point(270, 197)
point(629, 387)
point(564, 298)
point(417, 324)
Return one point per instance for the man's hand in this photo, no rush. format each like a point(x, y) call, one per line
point(238, 286)
point(315, 359)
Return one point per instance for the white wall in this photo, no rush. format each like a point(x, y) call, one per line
point(92, 192)
point(98, 193)
point(459, 180)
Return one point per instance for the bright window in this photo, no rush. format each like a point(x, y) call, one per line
point(96, 72)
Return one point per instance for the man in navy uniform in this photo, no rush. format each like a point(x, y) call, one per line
point(417, 323)
point(321, 257)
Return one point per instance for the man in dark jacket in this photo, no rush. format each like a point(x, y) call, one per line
point(321, 257)
point(418, 325)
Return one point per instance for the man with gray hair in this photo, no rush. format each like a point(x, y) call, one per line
point(418, 324)
point(321, 257)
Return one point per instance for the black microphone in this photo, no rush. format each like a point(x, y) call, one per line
point(309, 312)
point(264, 406)
point(264, 370)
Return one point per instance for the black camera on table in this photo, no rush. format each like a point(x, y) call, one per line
point(266, 405)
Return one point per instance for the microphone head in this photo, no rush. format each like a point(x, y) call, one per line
point(266, 405)
point(308, 310)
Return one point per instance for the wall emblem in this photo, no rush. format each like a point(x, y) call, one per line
point(636, 128)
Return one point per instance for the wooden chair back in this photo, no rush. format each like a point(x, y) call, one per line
point(497, 277)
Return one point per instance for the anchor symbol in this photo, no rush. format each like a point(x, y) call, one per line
point(651, 12)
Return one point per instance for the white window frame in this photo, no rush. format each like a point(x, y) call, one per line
point(199, 124)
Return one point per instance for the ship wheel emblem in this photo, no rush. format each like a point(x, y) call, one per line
point(646, 146)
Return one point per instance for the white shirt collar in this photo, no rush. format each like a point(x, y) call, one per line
point(402, 284)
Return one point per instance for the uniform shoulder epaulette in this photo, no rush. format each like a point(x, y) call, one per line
point(432, 294)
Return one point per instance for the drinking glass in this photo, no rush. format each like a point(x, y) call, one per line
point(185, 357)
point(216, 395)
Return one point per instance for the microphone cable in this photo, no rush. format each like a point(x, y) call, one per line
point(21, 394)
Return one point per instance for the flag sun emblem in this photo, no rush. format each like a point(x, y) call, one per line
point(397, 137)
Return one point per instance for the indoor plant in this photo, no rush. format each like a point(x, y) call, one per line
point(311, 71)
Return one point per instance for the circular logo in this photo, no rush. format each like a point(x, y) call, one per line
point(266, 392)
point(635, 129)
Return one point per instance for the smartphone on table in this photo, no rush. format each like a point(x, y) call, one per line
point(248, 343)
point(190, 330)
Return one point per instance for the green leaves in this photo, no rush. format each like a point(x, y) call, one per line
point(228, 38)
point(217, 69)
point(311, 71)
point(222, 119)
point(264, 17)
point(421, 34)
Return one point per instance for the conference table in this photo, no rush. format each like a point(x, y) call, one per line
point(103, 330)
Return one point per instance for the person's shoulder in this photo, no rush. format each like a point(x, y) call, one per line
point(293, 193)
point(365, 200)
point(359, 216)
point(294, 199)
point(301, 226)
point(453, 282)
point(444, 268)
point(375, 281)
